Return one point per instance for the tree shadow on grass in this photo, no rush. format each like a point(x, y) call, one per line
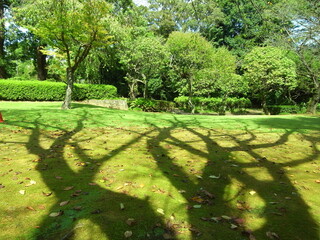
point(212, 186)
point(225, 184)
point(98, 205)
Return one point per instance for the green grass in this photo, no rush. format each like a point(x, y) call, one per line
point(157, 166)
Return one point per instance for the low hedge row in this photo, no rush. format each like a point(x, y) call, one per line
point(148, 105)
point(286, 109)
point(219, 105)
point(13, 90)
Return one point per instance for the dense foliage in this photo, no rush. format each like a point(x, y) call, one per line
point(267, 51)
point(149, 105)
point(52, 91)
point(219, 105)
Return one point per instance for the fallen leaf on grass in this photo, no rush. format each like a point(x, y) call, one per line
point(2, 186)
point(195, 230)
point(121, 206)
point(58, 177)
point(197, 199)
point(68, 188)
point(226, 217)
point(216, 219)
point(215, 177)
point(31, 183)
point(208, 194)
point(23, 192)
point(233, 226)
point(47, 194)
point(64, 203)
point(197, 206)
point(78, 208)
point(272, 235)
point(252, 193)
point(128, 234)
point(92, 184)
point(317, 181)
point(56, 214)
point(160, 210)
point(30, 208)
point(131, 221)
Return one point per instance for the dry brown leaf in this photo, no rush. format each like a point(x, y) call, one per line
point(197, 199)
point(78, 208)
point(47, 194)
point(68, 188)
point(30, 208)
point(64, 203)
point(56, 214)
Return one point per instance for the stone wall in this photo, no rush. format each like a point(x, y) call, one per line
point(115, 104)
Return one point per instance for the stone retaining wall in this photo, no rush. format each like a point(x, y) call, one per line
point(115, 104)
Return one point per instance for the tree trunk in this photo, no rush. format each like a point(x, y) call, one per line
point(313, 103)
point(193, 108)
point(264, 104)
point(41, 64)
point(70, 80)
point(3, 72)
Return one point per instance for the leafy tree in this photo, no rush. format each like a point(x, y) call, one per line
point(143, 59)
point(303, 39)
point(190, 53)
point(198, 16)
point(267, 69)
point(220, 78)
point(71, 28)
point(4, 4)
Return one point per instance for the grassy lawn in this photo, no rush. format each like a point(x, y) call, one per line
point(96, 173)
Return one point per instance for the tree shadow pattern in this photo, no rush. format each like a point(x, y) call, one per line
point(52, 162)
point(277, 215)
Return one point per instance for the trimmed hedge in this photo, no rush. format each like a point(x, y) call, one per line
point(52, 91)
point(219, 105)
point(286, 109)
point(148, 105)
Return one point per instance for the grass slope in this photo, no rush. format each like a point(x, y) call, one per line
point(178, 176)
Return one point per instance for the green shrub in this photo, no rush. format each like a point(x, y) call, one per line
point(52, 91)
point(149, 105)
point(219, 105)
point(286, 109)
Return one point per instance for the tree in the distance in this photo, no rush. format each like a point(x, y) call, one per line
point(267, 69)
point(70, 28)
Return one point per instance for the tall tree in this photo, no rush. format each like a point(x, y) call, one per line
point(72, 28)
point(303, 39)
point(143, 58)
point(197, 15)
point(267, 69)
point(3, 6)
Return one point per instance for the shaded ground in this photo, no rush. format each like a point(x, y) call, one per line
point(180, 179)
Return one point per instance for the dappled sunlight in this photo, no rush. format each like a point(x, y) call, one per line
point(180, 181)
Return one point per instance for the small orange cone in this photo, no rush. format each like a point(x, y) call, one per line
point(1, 119)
